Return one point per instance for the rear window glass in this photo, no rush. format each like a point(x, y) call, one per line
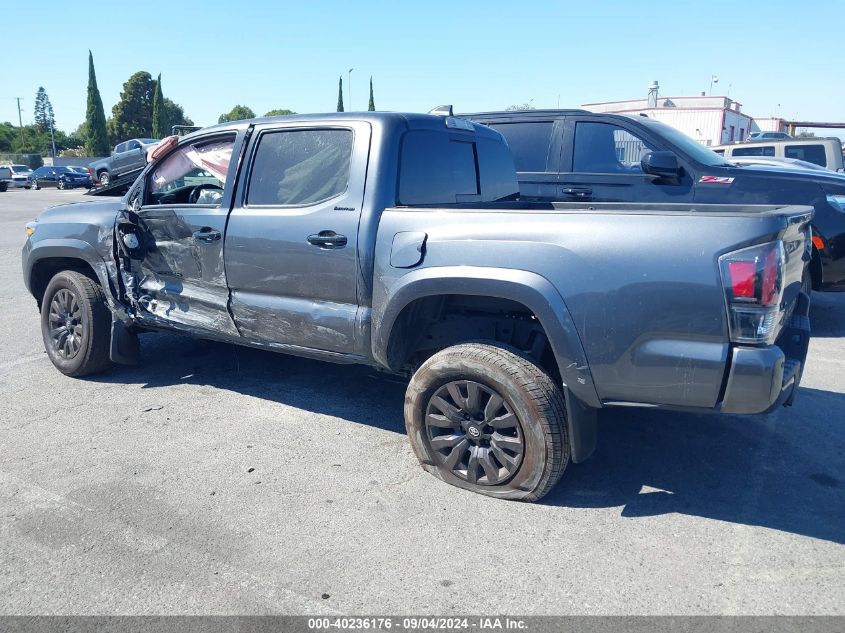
point(757, 150)
point(810, 153)
point(464, 167)
point(436, 169)
point(529, 143)
point(300, 167)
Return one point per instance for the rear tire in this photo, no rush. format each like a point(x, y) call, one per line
point(76, 324)
point(35, 185)
point(486, 418)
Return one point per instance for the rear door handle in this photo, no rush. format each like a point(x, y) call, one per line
point(578, 192)
point(327, 239)
point(207, 234)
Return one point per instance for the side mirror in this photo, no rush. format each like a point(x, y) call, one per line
point(661, 164)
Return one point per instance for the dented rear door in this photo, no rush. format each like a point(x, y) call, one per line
point(291, 243)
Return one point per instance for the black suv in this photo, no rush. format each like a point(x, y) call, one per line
point(578, 155)
point(61, 177)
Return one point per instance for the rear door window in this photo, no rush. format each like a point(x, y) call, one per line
point(529, 143)
point(300, 167)
point(810, 153)
point(757, 150)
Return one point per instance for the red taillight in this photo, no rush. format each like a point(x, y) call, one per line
point(742, 279)
point(753, 279)
point(771, 273)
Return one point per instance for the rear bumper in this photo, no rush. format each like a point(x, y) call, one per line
point(762, 379)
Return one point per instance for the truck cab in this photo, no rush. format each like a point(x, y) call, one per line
point(576, 155)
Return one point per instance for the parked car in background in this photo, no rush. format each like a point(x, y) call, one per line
point(5, 177)
point(19, 175)
point(767, 136)
point(126, 157)
point(59, 177)
point(578, 155)
point(775, 163)
point(826, 152)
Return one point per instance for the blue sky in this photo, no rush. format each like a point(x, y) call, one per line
point(475, 55)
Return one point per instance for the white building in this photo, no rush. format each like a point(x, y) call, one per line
point(709, 120)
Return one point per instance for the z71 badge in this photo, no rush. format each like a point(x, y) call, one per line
point(716, 180)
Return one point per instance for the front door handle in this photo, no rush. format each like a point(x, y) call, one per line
point(578, 192)
point(207, 234)
point(327, 239)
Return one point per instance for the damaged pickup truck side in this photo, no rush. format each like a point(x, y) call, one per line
point(398, 241)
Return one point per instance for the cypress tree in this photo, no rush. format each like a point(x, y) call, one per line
point(159, 112)
point(340, 94)
point(97, 138)
point(372, 106)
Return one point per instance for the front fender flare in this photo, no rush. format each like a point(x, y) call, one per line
point(68, 248)
point(530, 289)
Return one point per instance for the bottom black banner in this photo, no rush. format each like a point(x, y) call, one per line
point(484, 624)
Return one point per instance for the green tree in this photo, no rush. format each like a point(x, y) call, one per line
point(340, 94)
point(279, 112)
point(96, 134)
point(372, 105)
point(174, 115)
point(236, 114)
point(132, 116)
point(44, 118)
point(160, 127)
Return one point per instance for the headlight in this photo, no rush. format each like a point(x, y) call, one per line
point(837, 202)
point(30, 228)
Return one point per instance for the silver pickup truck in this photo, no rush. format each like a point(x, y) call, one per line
point(398, 241)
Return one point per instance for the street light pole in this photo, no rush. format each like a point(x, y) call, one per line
point(713, 80)
point(349, 88)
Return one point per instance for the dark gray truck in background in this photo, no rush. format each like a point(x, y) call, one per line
point(398, 241)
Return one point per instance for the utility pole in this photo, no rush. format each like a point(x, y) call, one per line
point(53, 140)
point(20, 123)
point(349, 88)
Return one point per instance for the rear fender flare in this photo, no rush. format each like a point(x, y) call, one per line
point(530, 289)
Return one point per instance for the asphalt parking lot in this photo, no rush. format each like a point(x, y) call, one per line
point(218, 479)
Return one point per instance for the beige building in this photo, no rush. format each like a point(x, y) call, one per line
point(709, 120)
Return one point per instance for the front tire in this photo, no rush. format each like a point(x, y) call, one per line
point(75, 324)
point(105, 178)
point(488, 419)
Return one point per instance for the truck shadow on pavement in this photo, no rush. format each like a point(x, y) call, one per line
point(785, 471)
point(827, 314)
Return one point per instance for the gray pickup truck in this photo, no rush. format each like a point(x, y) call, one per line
point(398, 241)
point(126, 157)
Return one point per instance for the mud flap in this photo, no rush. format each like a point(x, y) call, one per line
point(581, 423)
point(125, 347)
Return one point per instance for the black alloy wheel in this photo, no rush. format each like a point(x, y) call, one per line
point(474, 433)
point(65, 321)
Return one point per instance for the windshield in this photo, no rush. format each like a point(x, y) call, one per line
point(690, 147)
point(148, 141)
point(21, 169)
point(63, 170)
